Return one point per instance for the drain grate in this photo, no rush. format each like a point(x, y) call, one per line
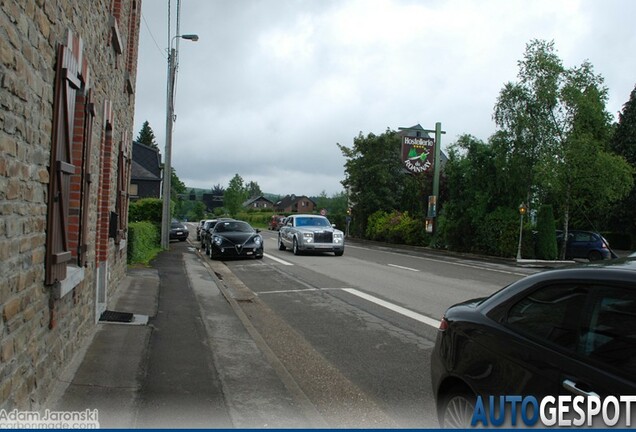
point(113, 316)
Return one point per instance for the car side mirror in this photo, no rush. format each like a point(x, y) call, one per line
point(257, 230)
point(333, 225)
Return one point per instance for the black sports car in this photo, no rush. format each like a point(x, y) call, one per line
point(235, 239)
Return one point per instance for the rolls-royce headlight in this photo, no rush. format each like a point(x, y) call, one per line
point(308, 237)
point(338, 237)
point(258, 241)
point(217, 240)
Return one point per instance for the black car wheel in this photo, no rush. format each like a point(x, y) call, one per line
point(338, 253)
point(594, 256)
point(281, 246)
point(295, 247)
point(457, 408)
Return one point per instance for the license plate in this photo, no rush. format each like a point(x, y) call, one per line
point(179, 232)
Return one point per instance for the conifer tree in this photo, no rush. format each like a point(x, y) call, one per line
point(147, 136)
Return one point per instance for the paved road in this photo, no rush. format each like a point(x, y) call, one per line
point(356, 332)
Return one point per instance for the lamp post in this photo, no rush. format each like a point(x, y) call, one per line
point(522, 211)
point(167, 167)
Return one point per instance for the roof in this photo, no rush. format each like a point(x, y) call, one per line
point(291, 200)
point(148, 158)
point(140, 173)
point(253, 200)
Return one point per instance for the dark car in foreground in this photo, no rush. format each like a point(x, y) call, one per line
point(235, 239)
point(178, 231)
point(569, 331)
point(585, 244)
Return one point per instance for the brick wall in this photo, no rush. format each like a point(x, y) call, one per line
point(43, 326)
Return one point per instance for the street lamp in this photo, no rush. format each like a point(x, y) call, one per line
point(167, 167)
point(522, 211)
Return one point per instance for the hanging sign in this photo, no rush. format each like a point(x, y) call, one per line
point(418, 153)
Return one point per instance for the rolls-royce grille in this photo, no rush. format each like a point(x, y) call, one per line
point(323, 237)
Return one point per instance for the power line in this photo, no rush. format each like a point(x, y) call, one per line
point(163, 54)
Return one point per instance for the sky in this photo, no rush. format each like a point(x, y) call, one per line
point(272, 86)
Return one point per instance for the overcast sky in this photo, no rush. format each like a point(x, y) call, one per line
point(272, 85)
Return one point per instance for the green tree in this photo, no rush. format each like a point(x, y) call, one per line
point(235, 195)
point(623, 142)
point(176, 185)
point(147, 136)
point(554, 124)
point(373, 174)
point(218, 190)
point(253, 190)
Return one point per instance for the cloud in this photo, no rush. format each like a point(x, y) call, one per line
point(272, 86)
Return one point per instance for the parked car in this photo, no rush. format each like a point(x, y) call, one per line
point(234, 239)
point(564, 331)
point(206, 234)
point(178, 231)
point(199, 226)
point(275, 222)
point(209, 223)
point(585, 244)
point(305, 232)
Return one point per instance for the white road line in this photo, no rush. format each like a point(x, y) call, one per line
point(403, 268)
point(473, 266)
point(287, 291)
point(395, 308)
point(278, 260)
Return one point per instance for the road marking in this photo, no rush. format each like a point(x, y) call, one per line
point(278, 260)
point(473, 266)
point(395, 308)
point(288, 291)
point(403, 268)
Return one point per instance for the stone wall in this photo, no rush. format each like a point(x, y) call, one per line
point(43, 326)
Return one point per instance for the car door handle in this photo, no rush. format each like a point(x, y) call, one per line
point(571, 386)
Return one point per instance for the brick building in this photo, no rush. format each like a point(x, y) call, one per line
point(67, 92)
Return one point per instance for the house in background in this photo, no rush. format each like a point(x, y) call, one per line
point(212, 201)
point(259, 202)
point(295, 204)
point(145, 177)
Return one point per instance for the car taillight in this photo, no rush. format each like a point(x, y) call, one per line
point(443, 324)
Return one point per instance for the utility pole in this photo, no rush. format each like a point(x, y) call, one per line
point(167, 166)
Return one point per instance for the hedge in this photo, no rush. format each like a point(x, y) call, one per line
point(143, 242)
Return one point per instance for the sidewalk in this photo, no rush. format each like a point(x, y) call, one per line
point(196, 364)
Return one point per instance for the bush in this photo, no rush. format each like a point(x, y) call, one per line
point(146, 209)
point(546, 246)
point(396, 227)
point(143, 242)
point(499, 234)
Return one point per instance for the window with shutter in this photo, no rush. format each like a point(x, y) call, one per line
point(67, 81)
point(131, 54)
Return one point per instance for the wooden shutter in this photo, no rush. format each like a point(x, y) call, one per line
point(89, 116)
point(121, 205)
point(61, 169)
